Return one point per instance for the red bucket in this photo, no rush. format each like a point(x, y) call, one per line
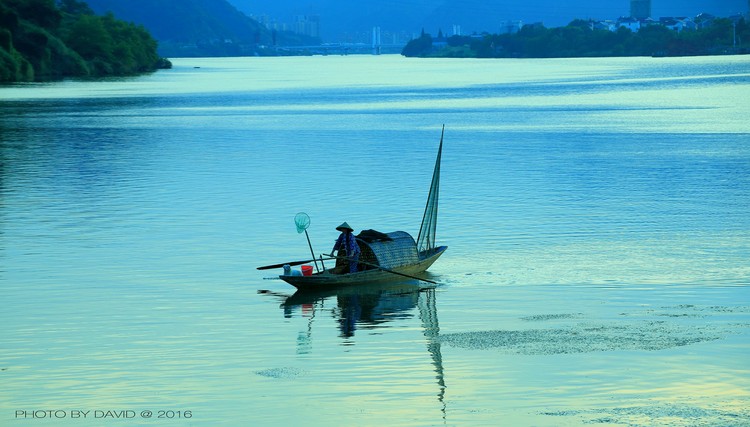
point(307, 270)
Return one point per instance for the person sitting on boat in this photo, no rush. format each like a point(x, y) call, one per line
point(347, 246)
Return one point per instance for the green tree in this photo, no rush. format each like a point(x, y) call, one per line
point(75, 7)
point(39, 40)
point(579, 39)
point(90, 38)
point(9, 19)
point(33, 42)
point(719, 33)
point(653, 39)
point(743, 34)
point(134, 50)
point(421, 46)
point(43, 13)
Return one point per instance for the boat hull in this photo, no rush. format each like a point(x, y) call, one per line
point(328, 280)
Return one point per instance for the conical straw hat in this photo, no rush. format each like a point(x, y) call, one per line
point(344, 227)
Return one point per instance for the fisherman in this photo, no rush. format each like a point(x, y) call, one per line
point(347, 246)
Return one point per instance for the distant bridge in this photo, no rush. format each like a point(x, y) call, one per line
point(342, 49)
point(376, 48)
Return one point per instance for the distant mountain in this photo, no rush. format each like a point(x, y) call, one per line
point(339, 18)
point(194, 27)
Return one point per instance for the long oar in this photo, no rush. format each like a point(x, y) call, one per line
point(387, 270)
point(290, 263)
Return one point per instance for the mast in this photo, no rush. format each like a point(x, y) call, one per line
point(426, 238)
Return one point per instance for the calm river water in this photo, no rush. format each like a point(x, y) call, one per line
point(595, 212)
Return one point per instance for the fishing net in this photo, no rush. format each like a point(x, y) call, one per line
point(302, 221)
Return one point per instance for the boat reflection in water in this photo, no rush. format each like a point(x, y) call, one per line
point(371, 306)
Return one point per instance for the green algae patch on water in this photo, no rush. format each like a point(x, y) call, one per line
point(677, 415)
point(281, 373)
point(584, 338)
point(651, 333)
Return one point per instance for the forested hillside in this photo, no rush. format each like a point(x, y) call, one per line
point(45, 39)
point(199, 27)
point(579, 39)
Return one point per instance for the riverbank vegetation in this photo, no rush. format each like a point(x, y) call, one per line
point(579, 39)
point(48, 39)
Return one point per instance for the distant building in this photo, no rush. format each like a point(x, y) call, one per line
point(270, 23)
point(511, 27)
point(677, 24)
point(704, 20)
point(604, 25)
point(640, 9)
point(535, 26)
point(633, 24)
point(376, 41)
point(308, 25)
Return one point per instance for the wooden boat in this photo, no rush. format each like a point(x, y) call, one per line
point(386, 256)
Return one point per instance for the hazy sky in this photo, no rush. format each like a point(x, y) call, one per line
point(338, 16)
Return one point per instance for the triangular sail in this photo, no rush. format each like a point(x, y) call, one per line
point(426, 239)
